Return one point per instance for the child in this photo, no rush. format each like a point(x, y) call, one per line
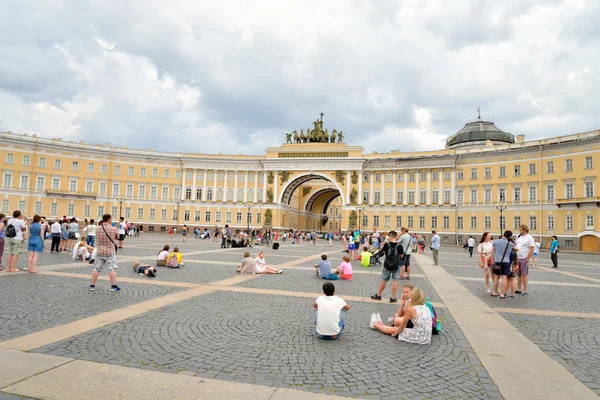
point(179, 257)
point(247, 265)
point(323, 269)
point(345, 269)
point(365, 257)
point(163, 256)
point(330, 313)
point(144, 269)
point(404, 304)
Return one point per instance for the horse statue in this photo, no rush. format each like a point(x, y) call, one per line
point(288, 137)
point(302, 137)
point(340, 136)
point(333, 136)
point(296, 137)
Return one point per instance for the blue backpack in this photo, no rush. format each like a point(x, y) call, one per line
point(436, 324)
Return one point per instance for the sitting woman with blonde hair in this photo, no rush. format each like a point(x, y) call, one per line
point(420, 316)
point(261, 267)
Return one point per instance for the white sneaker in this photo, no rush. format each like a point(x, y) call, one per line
point(379, 318)
point(373, 320)
point(280, 271)
point(489, 291)
point(391, 321)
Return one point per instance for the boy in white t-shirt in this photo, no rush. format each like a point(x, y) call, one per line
point(330, 313)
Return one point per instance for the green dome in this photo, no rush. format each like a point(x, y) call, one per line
point(477, 133)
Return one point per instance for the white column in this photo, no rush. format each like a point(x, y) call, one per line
point(204, 173)
point(417, 179)
point(347, 188)
point(215, 187)
point(264, 199)
point(453, 192)
point(246, 174)
point(428, 186)
point(371, 187)
point(256, 199)
point(441, 187)
point(226, 172)
point(360, 187)
point(275, 187)
point(405, 194)
point(182, 184)
point(394, 187)
point(235, 186)
point(382, 194)
point(194, 185)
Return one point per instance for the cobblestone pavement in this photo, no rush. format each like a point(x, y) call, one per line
point(35, 302)
point(268, 340)
point(573, 342)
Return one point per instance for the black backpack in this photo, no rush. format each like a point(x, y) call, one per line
point(392, 256)
point(11, 232)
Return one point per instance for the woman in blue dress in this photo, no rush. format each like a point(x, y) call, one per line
point(36, 245)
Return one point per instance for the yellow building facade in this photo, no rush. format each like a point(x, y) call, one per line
point(461, 190)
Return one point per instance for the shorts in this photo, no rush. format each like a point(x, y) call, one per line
point(108, 261)
point(184, 233)
point(72, 236)
point(406, 260)
point(64, 235)
point(350, 246)
point(15, 246)
point(523, 266)
point(504, 269)
point(386, 274)
point(376, 243)
point(121, 236)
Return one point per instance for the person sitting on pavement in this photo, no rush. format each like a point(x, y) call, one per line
point(404, 304)
point(345, 269)
point(175, 255)
point(330, 313)
point(420, 316)
point(365, 257)
point(247, 265)
point(144, 269)
point(163, 255)
point(261, 267)
point(82, 251)
point(323, 269)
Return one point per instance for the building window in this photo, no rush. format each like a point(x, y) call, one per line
point(550, 167)
point(238, 217)
point(487, 195)
point(423, 196)
point(27, 161)
point(435, 175)
point(166, 174)
point(155, 172)
point(5, 205)
point(365, 196)
point(433, 222)
point(87, 210)
point(502, 172)
point(589, 189)
point(178, 174)
point(532, 223)
point(117, 170)
point(411, 196)
point(54, 208)
point(230, 195)
point(550, 192)
point(176, 193)
point(188, 192)
point(128, 213)
point(104, 169)
point(198, 193)
point(447, 195)
point(388, 176)
point(228, 217)
point(377, 196)
point(140, 213)
point(91, 168)
point(501, 194)
point(113, 211)
point(100, 211)
point(240, 194)
point(250, 195)
point(221, 176)
point(516, 222)
point(72, 185)
point(435, 196)
point(365, 220)
point(550, 221)
point(209, 194)
point(569, 165)
point(56, 164)
point(388, 195)
point(517, 170)
point(569, 223)
point(56, 184)
point(71, 210)
point(196, 216)
point(130, 171)
point(411, 176)
point(487, 223)
point(398, 221)
point(532, 169)
point(532, 193)
point(220, 194)
point(589, 221)
point(207, 216)
point(152, 213)
point(423, 177)
point(218, 216)
point(460, 174)
point(517, 194)
point(165, 192)
point(163, 214)
point(459, 222)
point(473, 195)
point(24, 181)
point(376, 220)
point(143, 172)
point(446, 222)
point(447, 175)
point(400, 196)
point(568, 243)
point(41, 182)
point(175, 215)
point(142, 191)
point(473, 173)
point(400, 177)
point(116, 189)
point(10, 158)
point(473, 222)
point(410, 221)
point(261, 178)
point(129, 190)
point(42, 162)
point(421, 222)
point(588, 163)
point(241, 176)
point(488, 173)
point(460, 194)
point(38, 207)
point(153, 192)
point(569, 191)
point(366, 177)
point(377, 177)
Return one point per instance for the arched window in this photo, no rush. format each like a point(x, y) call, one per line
point(377, 196)
point(365, 196)
point(198, 193)
point(240, 194)
point(388, 195)
point(209, 194)
point(411, 196)
point(251, 194)
point(230, 194)
point(188, 193)
point(220, 194)
point(260, 195)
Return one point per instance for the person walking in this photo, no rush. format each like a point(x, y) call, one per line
point(35, 245)
point(486, 257)
point(90, 238)
point(55, 230)
point(121, 232)
point(14, 240)
point(394, 254)
point(2, 233)
point(471, 245)
point(435, 246)
point(554, 251)
point(184, 232)
point(525, 246)
point(107, 253)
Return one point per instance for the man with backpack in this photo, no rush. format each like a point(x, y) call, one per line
point(391, 266)
point(14, 240)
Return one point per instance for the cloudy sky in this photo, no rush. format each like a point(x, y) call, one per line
point(230, 76)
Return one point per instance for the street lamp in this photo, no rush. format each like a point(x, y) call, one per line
point(249, 205)
point(121, 200)
point(501, 207)
point(359, 208)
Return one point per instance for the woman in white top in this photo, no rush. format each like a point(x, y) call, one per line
point(420, 316)
point(261, 267)
point(486, 257)
point(163, 255)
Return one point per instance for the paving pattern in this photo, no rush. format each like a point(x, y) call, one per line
point(35, 302)
point(269, 340)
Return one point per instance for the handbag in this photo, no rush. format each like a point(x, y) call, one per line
point(497, 267)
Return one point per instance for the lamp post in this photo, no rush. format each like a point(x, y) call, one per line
point(501, 207)
point(359, 208)
point(249, 205)
point(121, 200)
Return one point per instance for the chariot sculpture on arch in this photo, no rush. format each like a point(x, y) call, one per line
point(316, 134)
